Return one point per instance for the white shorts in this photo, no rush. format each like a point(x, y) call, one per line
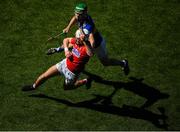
point(101, 51)
point(70, 77)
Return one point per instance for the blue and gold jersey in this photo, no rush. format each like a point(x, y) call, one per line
point(89, 25)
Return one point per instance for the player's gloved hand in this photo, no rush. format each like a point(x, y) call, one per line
point(66, 30)
point(54, 50)
point(51, 51)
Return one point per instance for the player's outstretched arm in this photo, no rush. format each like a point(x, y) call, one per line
point(71, 23)
point(54, 50)
point(57, 50)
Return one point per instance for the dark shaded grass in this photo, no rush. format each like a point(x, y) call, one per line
point(144, 32)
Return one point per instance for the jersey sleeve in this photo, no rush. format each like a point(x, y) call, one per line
point(91, 22)
point(89, 28)
point(73, 41)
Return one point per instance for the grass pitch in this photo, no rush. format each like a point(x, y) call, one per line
point(145, 32)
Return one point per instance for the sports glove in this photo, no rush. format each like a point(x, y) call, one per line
point(54, 50)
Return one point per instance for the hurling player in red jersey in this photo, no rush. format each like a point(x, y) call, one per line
point(71, 66)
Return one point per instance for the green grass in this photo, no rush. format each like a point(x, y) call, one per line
point(147, 33)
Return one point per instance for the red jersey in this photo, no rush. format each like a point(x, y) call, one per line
point(79, 58)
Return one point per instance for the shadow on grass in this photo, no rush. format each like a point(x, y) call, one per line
point(103, 104)
point(135, 85)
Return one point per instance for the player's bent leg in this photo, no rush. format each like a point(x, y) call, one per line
point(79, 83)
point(86, 81)
point(102, 55)
point(52, 71)
point(114, 62)
point(101, 52)
point(104, 61)
point(69, 84)
point(111, 62)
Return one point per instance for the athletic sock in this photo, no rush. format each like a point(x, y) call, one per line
point(85, 80)
point(34, 85)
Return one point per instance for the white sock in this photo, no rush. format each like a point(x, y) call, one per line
point(34, 85)
point(85, 80)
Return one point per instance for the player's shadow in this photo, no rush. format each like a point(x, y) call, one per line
point(134, 85)
point(105, 105)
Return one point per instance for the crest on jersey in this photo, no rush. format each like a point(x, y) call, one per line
point(76, 52)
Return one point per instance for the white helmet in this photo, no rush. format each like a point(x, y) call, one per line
point(79, 33)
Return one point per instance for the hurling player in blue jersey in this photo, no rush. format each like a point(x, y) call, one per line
point(85, 22)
